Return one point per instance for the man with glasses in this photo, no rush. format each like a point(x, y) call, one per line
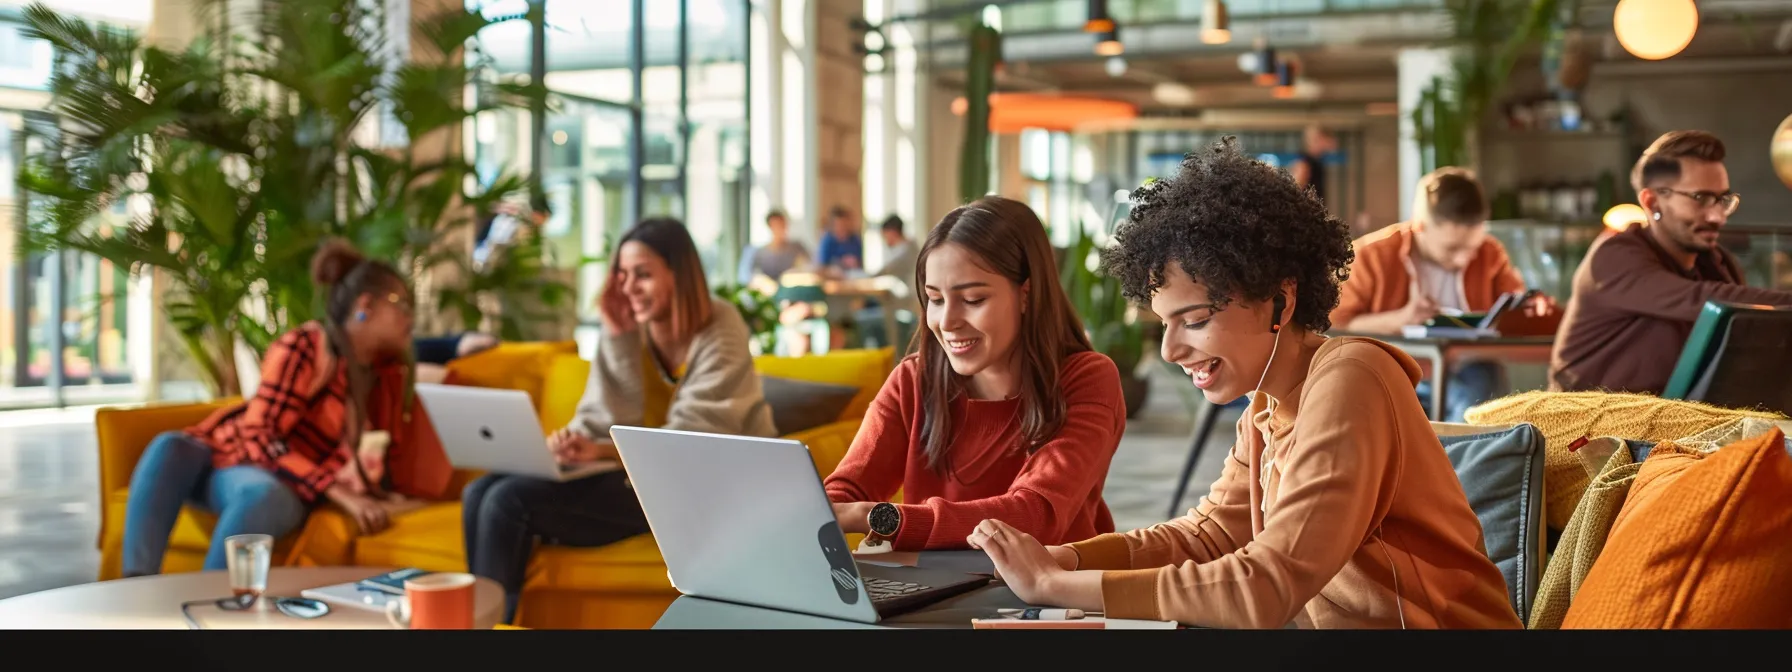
point(1638, 292)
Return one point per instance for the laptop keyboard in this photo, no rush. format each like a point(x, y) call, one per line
point(885, 589)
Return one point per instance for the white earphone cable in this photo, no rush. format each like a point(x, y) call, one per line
point(1268, 463)
point(1399, 603)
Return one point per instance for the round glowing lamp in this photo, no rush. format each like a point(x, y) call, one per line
point(1623, 215)
point(1655, 29)
point(1781, 151)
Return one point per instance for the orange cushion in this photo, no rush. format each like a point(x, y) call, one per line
point(1704, 541)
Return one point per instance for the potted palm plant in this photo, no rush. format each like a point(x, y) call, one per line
point(1488, 36)
point(230, 159)
point(1112, 323)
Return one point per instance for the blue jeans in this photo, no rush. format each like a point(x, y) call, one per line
point(502, 517)
point(177, 469)
point(1470, 384)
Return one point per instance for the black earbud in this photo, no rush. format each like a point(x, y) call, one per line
point(1275, 321)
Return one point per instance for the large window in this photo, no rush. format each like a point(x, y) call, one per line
point(648, 118)
point(65, 318)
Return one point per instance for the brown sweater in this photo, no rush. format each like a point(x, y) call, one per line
point(1633, 309)
point(1357, 511)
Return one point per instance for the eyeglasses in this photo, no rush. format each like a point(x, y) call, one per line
point(296, 607)
point(401, 302)
point(1729, 201)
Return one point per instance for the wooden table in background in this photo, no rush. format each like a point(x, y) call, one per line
point(1441, 354)
point(883, 288)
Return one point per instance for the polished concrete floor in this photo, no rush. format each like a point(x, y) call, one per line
point(49, 506)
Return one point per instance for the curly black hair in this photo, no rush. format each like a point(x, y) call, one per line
point(1239, 226)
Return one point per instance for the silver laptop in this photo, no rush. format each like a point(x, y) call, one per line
point(497, 430)
point(745, 520)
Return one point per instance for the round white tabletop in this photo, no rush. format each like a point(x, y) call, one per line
point(153, 603)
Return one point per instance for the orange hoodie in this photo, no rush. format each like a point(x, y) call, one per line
point(1381, 276)
point(1337, 508)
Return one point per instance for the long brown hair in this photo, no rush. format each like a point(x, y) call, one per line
point(669, 239)
point(1011, 242)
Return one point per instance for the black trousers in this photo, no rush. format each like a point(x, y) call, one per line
point(502, 516)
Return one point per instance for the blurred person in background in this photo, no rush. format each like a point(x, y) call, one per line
point(1442, 262)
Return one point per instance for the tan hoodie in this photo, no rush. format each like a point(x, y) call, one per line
point(1356, 521)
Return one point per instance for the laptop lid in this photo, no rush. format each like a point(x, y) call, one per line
point(490, 429)
point(744, 520)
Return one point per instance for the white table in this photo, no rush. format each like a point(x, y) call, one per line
point(153, 603)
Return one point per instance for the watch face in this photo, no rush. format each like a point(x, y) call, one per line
point(885, 519)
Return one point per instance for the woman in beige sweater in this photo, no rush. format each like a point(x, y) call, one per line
point(671, 355)
point(1337, 507)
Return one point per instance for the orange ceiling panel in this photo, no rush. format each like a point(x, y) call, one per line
point(1012, 112)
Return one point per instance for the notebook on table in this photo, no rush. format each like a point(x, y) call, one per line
point(371, 593)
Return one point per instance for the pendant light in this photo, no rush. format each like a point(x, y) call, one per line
point(1266, 65)
point(1098, 21)
point(1216, 23)
point(1107, 43)
point(1286, 71)
point(1655, 29)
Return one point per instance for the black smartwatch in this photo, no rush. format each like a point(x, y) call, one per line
point(884, 520)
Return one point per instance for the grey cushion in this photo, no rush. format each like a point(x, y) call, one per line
point(799, 405)
point(1501, 470)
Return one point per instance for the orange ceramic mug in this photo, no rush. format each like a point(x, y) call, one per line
point(440, 601)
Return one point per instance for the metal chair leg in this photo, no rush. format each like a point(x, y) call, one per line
point(1205, 430)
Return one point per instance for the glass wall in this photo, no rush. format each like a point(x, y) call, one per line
point(1072, 179)
point(647, 118)
point(1548, 253)
point(65, 322)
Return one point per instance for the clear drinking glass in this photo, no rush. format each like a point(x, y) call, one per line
point(249, 556)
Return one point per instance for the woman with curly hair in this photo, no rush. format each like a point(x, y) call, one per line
point(1337, 507)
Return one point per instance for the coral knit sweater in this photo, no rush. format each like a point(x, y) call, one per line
point(1053, 494)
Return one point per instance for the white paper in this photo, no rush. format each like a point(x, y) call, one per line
point(1137, 624)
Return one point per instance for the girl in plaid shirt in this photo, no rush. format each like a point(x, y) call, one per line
point(262, 464)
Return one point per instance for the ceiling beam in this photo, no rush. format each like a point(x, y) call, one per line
point(1239, 120)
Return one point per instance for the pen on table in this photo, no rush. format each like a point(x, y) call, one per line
point(1044, 614)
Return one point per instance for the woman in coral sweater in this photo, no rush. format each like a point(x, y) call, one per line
point(1005, 411)
point(1337, 507)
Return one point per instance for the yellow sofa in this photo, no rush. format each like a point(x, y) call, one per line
point(621, 585)
point(123, 435)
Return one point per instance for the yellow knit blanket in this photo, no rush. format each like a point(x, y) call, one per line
point(1563, 417)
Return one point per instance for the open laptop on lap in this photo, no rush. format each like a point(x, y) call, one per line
point(745, 520)
point(496, 430)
